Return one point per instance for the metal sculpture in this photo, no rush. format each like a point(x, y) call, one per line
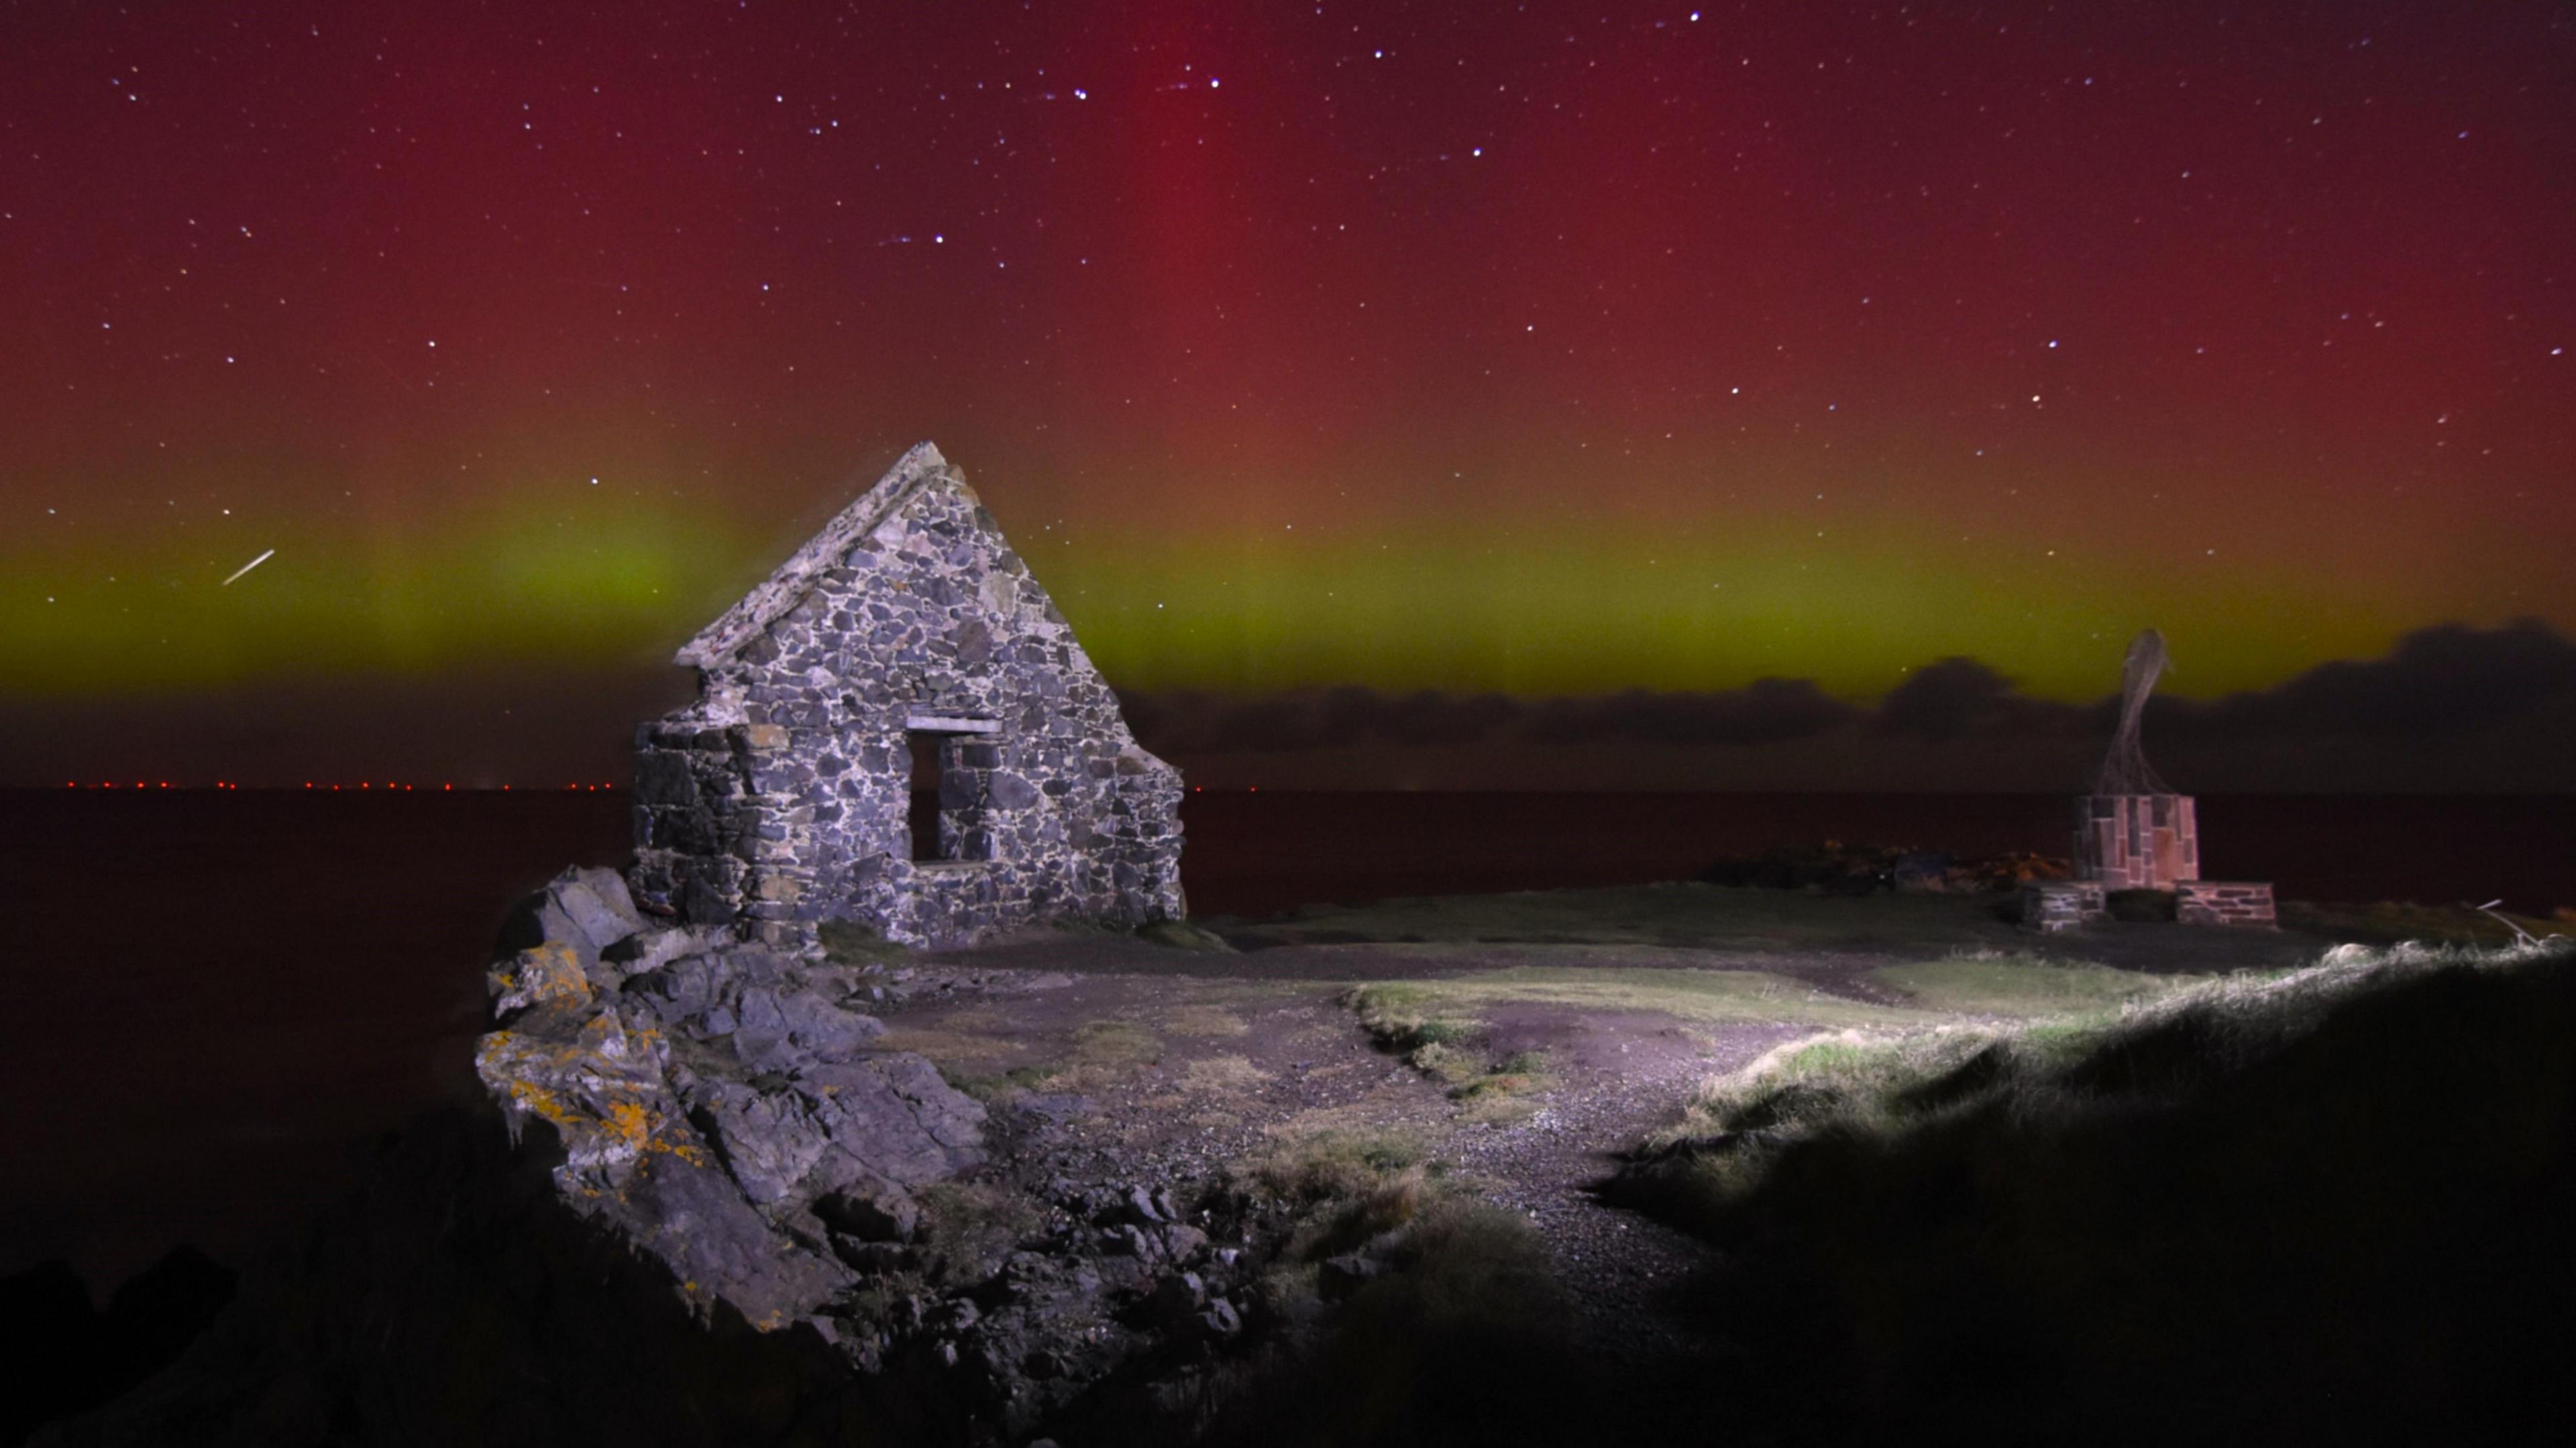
point(2125, 769)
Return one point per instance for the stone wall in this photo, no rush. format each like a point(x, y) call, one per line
point(2137, 841)
point(2225, 902)
point(2049, 906)
point(781, 798)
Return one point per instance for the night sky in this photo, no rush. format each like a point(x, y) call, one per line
point(1544, 350)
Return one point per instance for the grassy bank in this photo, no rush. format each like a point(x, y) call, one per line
point(2328, 1204)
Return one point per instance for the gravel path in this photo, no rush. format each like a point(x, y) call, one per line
point(1624, 1075)
point(1613, 1077)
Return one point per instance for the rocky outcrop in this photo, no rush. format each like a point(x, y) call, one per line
point(715, 1106)
point(727, 1113)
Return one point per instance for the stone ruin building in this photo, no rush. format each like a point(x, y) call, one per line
point(2133, 832)
point(898, 729)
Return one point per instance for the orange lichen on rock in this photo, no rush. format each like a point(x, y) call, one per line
point(605, 1099)
point(542, 978)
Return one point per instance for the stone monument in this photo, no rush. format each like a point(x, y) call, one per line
point(2134, 832)
point(904, 655)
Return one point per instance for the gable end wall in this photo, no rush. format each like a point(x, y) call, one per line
point(781, 798)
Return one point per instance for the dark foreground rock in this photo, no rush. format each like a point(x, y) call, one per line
point(459, 1299)
point(701, 1205)
point(60, 1354)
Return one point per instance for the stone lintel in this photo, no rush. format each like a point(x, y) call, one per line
point(951, 724)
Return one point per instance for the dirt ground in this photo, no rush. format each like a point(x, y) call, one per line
point(1576, 1022)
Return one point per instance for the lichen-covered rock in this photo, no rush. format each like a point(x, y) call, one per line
point(782, 798)
point(702, 1108)
point(601, 1090)
point(547, 979)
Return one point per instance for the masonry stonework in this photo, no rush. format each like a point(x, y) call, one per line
point(782, 798)
point(2226, 902)
point(2049, 906)
point(2137, 841)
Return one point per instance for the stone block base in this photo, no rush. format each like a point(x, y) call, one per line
point(2049, 906)
point(2225, 902)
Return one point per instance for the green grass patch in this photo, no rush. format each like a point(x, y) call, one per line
point(1115, 1043)
point(1403, 1016)
point(1698, 995)
point(1507, 1090)
point(1997, 984)
point(1409, 1019)
point(991, 1087)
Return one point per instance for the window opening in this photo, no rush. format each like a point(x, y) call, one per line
point(923, 813)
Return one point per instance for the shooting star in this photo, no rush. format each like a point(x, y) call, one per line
point(247, 567)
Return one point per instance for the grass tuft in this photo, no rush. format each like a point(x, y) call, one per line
point(1115, 1043)
point(1328, 1164)
point(1182, 935)
point(847, 942)
point(967, 1228)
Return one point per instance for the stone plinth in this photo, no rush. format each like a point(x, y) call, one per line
point(2136, 841)
point(2049, 906)
point(2225, 902)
